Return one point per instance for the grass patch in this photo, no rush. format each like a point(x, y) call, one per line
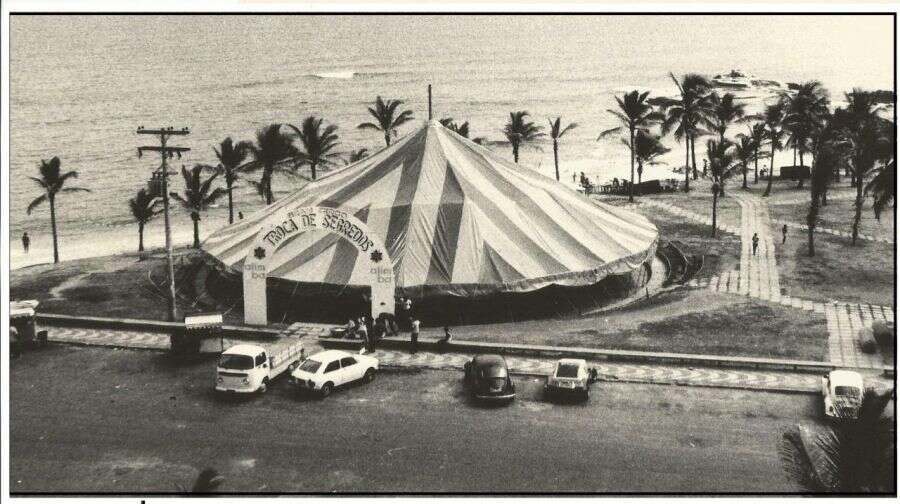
point(862, 273)
point(722, 253)
point(838, 214)
point(699, 201)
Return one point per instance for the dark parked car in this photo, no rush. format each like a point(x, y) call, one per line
point(488, 378)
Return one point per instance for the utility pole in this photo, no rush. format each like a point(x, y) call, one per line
point(429, 102)
point(166, 152)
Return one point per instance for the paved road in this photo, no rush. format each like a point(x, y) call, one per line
point(98, 419)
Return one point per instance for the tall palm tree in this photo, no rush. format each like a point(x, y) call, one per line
point(685, 115)
point(848, 456)
point(883, 188)
point(387, 118)
point(724, 112)
point(757, 133)
point(357, 155)
point(772, 117)
point(231, 158)
point(721, 167)
point(557, 132)
point(647, 148)
point(869, 139)
point(272, 147)
point(827, 159)
point(804, 113)
point(745, 150)
point(519, 131)
point(317, 144)
point(53, 182)
point(198, 195)
point(634, 114)
point(143, 208)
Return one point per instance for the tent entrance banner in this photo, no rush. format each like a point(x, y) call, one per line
point(291, 221)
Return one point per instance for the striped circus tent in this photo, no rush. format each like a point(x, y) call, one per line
point(456, 219)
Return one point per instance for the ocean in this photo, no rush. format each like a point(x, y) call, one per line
point(81, 85)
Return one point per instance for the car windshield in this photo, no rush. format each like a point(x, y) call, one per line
point(843, 390)
point(566, 370)
point(310, 366)
point(231, 361)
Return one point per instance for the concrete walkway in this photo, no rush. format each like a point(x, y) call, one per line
point(759, 278)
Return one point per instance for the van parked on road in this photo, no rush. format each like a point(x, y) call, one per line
point(246, 369)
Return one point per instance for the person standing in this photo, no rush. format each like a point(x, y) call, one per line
point(755, 242)
point(783, 234)
point(414, 336)
point(26, 241)
point(240, 215)
point(447, 335)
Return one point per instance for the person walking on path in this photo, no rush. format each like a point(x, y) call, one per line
point(414, 335)
point(26, 241)
point(755, 242)
point(783, 234)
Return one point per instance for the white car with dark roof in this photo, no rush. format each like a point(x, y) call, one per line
point(328, 370)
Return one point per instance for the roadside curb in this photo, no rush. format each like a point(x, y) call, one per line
point(52, 319)
point(403, 344)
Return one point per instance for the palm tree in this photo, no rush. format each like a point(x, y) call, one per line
point(635, 114)
point(848, 456)
point(556, 132)
point(745, 150)
point(460, 129)
point(772, 117)
point(721, 168)
point(198, 195)
point(231, 158)
point(724, 112)
point(53, 183)
point(357, 155)
point(272, 147)
point(883, 188)
point(804, 113)
point(824, 163)
point(143, 209)
point(685, 115)
point(317, 143)
point(647, 148)
point(519, 131)
point(387, 119)
point(758, 135)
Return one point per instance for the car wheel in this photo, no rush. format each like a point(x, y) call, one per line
point(326, 389)
point(369, 376)
point(264, 386)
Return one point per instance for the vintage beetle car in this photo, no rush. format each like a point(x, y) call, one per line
point(842, 393)
point(569, 377)
point(487, 377)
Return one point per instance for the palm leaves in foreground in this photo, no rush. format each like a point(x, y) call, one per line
point(198, 195)
point(318, 144)
point(387, 118)
point(635, 115)
point(847, 456)
point(208, 481)
point(519, 131)
point(52, 181)
point(143, 209)
point(883, 188)
point(557, 132)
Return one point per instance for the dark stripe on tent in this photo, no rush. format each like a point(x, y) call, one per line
point(495, 270)
point(401, 156)
point(537, 215)
point(344, 259)
point(395, 241)
point(446, 231)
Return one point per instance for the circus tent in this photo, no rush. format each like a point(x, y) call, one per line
point(456, 219)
